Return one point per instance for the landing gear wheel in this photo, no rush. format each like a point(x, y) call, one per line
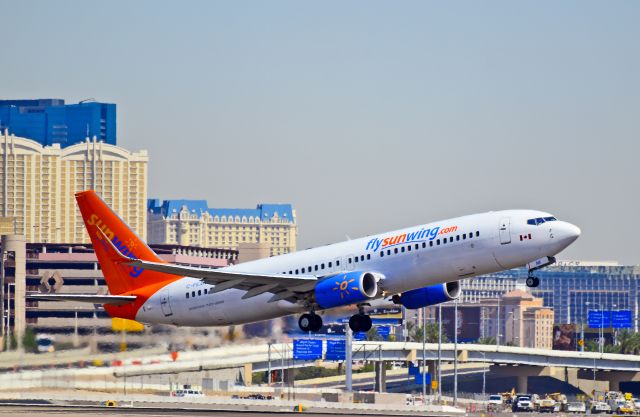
point(360, 323)
point(316, 322)
point(310, 322)
point(533, 282)
point(367, 323)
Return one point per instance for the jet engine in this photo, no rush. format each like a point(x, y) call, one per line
point(346, 288)
point(428, 296)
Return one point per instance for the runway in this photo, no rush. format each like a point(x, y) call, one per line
point(44, 410)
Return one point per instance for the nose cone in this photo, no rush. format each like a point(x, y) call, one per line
point(567, 233)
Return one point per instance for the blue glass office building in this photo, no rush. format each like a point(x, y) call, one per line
point(50, 121)
point(572, 290)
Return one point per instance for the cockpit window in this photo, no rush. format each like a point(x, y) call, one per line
point(540, 220)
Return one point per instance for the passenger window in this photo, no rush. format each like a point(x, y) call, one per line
point(381, 253)
point(430, 243)
point(368, 256)
point(349, 260)
point(388, 251)
point(418, 246)
point(290, 272)
point(355, 259)
point(322, 266)
point(402, 249)
point(337, 263)
point(205, 290)
point(303, 270)
point(187, 294)
point(464, 236)
point(315, 268)
point(193, 293)
point(470, 235)
point(395, 250)
point(297, 272)
point(362, 257)
point(451, 239)
point(477, 234)
point(457, 238)
point(424, 245)
point(438, 242)
point(409, 248)
point(199, 292)
point(444, 241)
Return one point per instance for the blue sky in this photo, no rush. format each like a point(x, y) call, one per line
point(367, 116)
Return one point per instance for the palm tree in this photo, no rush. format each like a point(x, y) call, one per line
point(415, 333)
point(628, 343)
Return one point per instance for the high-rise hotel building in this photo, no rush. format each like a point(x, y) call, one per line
point(38, 183)
point(193, 223)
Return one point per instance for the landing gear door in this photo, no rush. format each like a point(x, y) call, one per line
point(165, 303)
point(505, 230)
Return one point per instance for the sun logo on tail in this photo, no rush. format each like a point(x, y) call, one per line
point(343, 286)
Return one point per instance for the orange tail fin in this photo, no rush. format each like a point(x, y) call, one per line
point(120, 278)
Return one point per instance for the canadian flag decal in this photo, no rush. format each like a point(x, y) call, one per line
point(525, 237)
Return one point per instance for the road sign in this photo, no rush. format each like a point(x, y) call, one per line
point(336, 350)
point(384, 332)
point(360, 336)
point(307, 349)
point(580, 342)
point(427, 378)
point(599, 319)
point(621, 319)
point(414, 370)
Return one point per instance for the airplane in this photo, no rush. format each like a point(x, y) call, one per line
point(414, 267)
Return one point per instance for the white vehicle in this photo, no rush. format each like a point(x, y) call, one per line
point(45, 343)
point(522, 403)
point(600, 407)
point(495, 403)
point(415, 267)
point(576, 407)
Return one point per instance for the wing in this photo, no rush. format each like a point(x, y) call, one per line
point(85, 298)
point(283, 287)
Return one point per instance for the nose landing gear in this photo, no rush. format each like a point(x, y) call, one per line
point(532, 281)
point(310, 322)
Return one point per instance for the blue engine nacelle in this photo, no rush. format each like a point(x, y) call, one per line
point(346, 288)
point(428, 296)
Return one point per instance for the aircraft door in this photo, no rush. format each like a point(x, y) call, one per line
point(505, 230)
point(165, 303)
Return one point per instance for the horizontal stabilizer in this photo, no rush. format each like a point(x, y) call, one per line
point(85, 298)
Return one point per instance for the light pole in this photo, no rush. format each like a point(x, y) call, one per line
point(439, 352)
point(498, 328)
point(484, 373)
point(455, 355)
point(424, 354)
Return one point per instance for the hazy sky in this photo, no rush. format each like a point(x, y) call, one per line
point(367, 116)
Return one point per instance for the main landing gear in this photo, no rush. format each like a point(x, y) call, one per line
point(310, 322)
point(360, 322)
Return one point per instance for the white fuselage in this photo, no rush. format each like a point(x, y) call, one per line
point(411, 258)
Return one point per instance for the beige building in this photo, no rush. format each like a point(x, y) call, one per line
point(193, 223)
point(38, 186)
point(523, 320)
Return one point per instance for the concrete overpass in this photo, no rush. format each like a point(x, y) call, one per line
point(580, 369)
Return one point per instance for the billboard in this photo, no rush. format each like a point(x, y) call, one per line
point(468, 323)
point(564, 337)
